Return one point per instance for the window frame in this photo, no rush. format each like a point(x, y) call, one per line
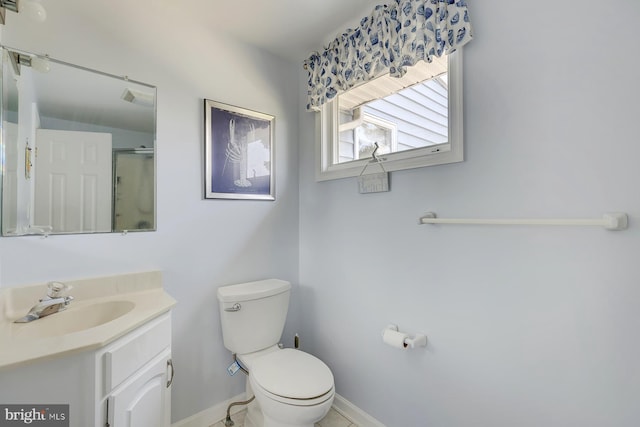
point(327, 125)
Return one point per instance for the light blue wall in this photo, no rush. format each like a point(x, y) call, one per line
point(200, 244)
point(527, 326)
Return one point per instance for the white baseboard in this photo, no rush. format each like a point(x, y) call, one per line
point(218, 412)
point(355, 414)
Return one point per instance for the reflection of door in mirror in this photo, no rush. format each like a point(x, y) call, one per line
point(73, 184)
point(10, 179)
point(134, 190)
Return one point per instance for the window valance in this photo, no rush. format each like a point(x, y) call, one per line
point(392, 38)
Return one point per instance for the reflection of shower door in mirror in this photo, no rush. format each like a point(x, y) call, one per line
point(134, 190)
point(73, 181)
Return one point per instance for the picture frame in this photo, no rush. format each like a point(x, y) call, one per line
point(239, 153)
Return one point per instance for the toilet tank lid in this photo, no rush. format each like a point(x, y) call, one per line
point(252, 290)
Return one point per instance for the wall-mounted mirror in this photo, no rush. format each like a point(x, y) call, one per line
point(77, 149)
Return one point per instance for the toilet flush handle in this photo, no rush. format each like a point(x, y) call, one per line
point(234, 307)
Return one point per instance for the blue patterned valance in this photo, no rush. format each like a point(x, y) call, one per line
point(393, 37)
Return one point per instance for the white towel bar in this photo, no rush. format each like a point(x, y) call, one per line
point(610, 221)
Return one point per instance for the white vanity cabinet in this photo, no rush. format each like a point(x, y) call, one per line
point(126, 383)
point(107, 355)
point(133, 378)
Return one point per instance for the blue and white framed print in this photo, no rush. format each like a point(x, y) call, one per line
point(239, 153)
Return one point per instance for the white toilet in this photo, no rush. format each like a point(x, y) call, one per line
point(292, 388)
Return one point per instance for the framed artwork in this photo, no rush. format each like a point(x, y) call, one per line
point(239, 153)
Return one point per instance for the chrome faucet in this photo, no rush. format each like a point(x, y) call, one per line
point(52, 303)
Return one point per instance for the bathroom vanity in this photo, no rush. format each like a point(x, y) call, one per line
point(108, 355)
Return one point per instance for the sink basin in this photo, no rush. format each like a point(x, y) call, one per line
point(73, 319)
point(104, 309)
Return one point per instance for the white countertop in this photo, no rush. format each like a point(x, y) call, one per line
point(141, 291)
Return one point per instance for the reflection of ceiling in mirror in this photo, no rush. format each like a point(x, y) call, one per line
point(85, 96)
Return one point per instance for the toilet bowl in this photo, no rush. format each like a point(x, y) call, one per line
point(291, 388)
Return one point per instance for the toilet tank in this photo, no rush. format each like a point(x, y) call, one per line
point(252, 315)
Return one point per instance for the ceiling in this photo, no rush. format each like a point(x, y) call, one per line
point(291, 29)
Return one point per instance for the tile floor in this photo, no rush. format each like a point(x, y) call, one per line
point(333, 419)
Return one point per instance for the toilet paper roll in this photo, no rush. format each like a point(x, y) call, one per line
point(394, 338)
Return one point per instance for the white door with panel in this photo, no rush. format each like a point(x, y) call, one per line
point(73, 181)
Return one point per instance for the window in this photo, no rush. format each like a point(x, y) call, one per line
point(415, 120)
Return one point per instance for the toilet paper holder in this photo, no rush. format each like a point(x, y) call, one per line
point(418, 340)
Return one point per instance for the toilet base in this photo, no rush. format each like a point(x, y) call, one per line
point(302, 417)
point(296, 417)
point(279, 414)
point(257, 419)
point(254, 417)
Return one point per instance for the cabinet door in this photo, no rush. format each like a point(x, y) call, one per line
point(144, 399)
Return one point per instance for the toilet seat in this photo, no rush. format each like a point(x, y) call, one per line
point(291, 401)
point(292, 376)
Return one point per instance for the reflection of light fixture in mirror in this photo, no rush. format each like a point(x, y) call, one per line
point(32, 8)
point(40, 64)
point(5, 5)
point(137, 97)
